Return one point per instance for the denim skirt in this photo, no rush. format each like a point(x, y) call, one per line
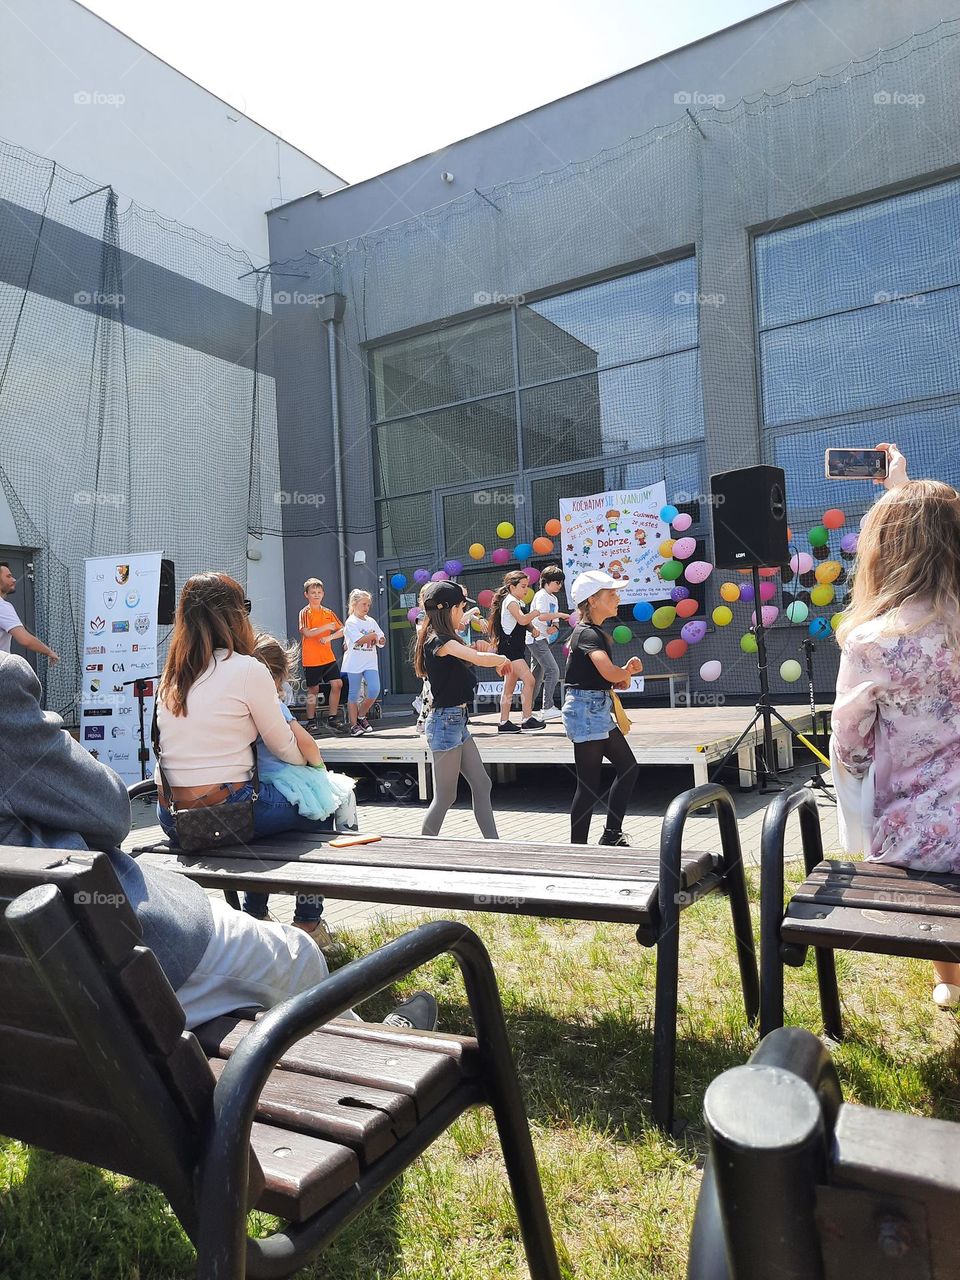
point(446, 728)
point(587, 714)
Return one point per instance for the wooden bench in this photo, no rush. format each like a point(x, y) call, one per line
point(800, 1184)
point(646, 889)
point(845, 906)
point(287, 1112)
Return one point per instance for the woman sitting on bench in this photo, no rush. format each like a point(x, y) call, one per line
point(896, 720)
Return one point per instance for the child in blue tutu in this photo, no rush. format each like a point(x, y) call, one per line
point(312, 789)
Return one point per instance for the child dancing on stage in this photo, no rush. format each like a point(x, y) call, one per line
point(440, 657)
point(361, 639)
point(508, 627)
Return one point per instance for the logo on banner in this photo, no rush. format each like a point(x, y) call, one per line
point(118, 731)
point(134, 648)
point(94, 686)
point(142, 624)
point(124, 711)
point(122, 625)
point(132, 599)
point(93, 733)
point(117, 666)
point(118, 757)
point(96, 648)
point(97, 625)
point(122, 574)
point(98, 711)
point(94, 666)
point(109, 599)
point(95, 753)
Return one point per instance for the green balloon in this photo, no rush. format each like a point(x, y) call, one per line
point(671, 570)
point(818, 536)
point(797, 611)
point(748, 642)
point(663, 617)
point(622, 635)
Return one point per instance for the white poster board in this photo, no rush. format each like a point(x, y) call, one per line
point(119, 647)
point(619, 532)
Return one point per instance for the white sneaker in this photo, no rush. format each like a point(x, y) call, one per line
point(552, 713)
point(946, 995)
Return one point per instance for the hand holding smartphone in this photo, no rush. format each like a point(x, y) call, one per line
point(856, 464)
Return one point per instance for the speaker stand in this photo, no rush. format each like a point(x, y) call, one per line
point(817, 782)
point(768, 778)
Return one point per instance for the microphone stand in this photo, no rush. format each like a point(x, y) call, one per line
point(139, 692)
point(816, 783)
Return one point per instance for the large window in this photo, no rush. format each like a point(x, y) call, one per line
point(859, 338)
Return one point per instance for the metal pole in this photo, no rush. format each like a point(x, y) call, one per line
point(770, 759)
point(337, 456)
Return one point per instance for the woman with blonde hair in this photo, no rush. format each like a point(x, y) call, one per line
point(896, 720)
point(362, 638)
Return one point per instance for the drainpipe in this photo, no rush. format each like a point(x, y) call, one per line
point(330, 311)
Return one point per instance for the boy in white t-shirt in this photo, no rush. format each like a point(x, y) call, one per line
point(540, 636)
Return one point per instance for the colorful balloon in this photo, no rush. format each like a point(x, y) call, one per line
point(664, 617)
point(552, 528)
point(790, 670)
point(722, 616)
point(421, 576)
point(440, 576)
point(802, 562)
point(485, 598)
point(748, 642)
point(710, 671)
point(746, 593)
point(848, 543)
point(682, 521)
point(622, 634)
point(829, 571)
point(668, 513)
point(698, 571)
point(768, 572)
point(679, 593)
point(822, 595)
point(676, 649)
point(834, 518)
point(818, 536)
point(477, 551)
point(398, 581)
point(684, 548)
point(453, 567)
point(505, 529)
point(768, 615)
point(413, 614)
point(501, 556)
point(533, 575)
point(693, 632)
point(542, 546)
point(652, 644)
point(523, 550)
point(643, 611)
point(797, 611)
point(666, 548)
point(730, 592)
point(528, 595)
point(835, 620)
point(767, 591)
point(819, 627)
point(686, 608)
point(671, 570)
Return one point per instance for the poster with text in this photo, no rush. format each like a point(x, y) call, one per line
point(619, 532)
point(119, 647)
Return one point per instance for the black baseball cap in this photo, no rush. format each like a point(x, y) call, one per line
point(445, 595)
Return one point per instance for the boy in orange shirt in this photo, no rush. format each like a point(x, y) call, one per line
point(318, 627)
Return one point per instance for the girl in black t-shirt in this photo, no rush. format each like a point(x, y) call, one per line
point(507, 626)
point(441, 657)
point(588, 710)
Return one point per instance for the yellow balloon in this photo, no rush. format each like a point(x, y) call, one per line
point(505, 529)
point(730, 592)
point(827, 572)
point(528, 595)
point(722, 616)
point(477, 626)
point(666, 548)
point(477, 551)
point(821, 595)
point(835, 620)
point(663, 617)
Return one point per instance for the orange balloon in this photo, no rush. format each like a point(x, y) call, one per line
point(676, 648)
point(687, 608)
point(542, 546)
point(769, 573)
point(744, 571)
point(552, 527)
point(834, 518)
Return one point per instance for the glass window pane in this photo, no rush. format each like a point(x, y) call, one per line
point(879, 356)
point(405, 526)
point(899, 246)
point(453, 446)
point(474, 516)
point(444, 366)
point(644, 406)
point(645, 314)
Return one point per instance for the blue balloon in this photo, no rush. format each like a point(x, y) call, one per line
point(643, 611)
point(668, 514)
point(819, 627)
point(523, 550)
point(398, 581)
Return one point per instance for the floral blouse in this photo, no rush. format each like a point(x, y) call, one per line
point(898, 708)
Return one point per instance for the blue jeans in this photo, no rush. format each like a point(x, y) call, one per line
point(446, 728)
point(272, 814)
point(587, 714)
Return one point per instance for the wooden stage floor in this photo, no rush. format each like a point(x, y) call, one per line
point(698, 736)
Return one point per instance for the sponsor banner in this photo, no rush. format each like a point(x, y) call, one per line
point(620, 533)
point(120, 646)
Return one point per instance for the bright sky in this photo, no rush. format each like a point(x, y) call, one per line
point(367, 87)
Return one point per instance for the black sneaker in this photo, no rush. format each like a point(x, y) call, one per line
point(418, 1013)
point(532, 725)
point(614, 838)
point(337, 726)
point(508, 727)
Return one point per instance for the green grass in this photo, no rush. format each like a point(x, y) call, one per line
point(579, 1003)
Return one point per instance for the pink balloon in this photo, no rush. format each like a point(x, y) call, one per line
point(682, 521)
point(500, 556)
point(768, 615)
point(684, 548)
point(697, 571)
point(439, 576)
point(767, 590)
point(533, 575)
point(413, 615)
point(802, 562)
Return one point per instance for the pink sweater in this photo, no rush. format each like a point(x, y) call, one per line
point(233, 702)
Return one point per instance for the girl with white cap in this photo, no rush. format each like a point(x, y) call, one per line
point(588, 710)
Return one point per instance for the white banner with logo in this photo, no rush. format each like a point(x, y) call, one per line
point(119, 647)
point(619, 532)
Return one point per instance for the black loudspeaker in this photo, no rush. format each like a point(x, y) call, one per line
point(167, 604)
point(749, 518)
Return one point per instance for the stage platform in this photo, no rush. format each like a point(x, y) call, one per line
point(698, 737)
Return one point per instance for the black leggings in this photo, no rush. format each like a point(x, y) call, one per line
point(589, 760)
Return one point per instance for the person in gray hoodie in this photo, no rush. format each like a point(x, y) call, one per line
point(55, 795)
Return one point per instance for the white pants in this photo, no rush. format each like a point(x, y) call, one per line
point(854, 806)
point(250, 962)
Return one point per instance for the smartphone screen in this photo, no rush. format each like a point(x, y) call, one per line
point(855, 464)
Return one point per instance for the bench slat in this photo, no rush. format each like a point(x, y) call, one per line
point(302, 1174)
point(150, 1001)
point(47, 1066)
point(24, 1001)
point(419, 1074)
point(915, 893)
point(894, 933)
point(370, 1121)
point(463, 1049)
point(85, 1133)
